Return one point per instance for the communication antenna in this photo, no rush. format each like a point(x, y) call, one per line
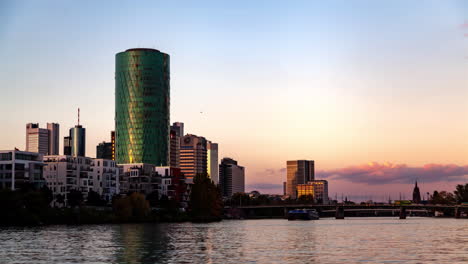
point(78, 116)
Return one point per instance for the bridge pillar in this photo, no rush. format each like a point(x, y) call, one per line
point(402, 212)
point(457, 212)
point(339, 212)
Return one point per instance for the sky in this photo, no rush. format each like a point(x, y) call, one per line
point(376, 93)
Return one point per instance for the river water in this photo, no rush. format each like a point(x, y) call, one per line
point(353, 240)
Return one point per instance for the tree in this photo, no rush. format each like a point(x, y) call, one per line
point(205, 200)
point(74, 198)
point(153, 198)
point(47, 193)
point(94, 199)
point(442, 197)
point(461, 193)
point(308, 198)
point(238, 199)
point(60, 199)
point(133, 206)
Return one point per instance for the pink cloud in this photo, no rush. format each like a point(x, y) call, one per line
point(375, 173)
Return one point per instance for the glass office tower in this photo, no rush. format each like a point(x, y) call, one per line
point(78, 141)
point(142, 107)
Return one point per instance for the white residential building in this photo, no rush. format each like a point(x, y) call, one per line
point(20, 168)
point(64, 173)
point(105, 178)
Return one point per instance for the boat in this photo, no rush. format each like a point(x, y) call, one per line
point(303, 214)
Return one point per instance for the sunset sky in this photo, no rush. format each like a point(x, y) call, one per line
point(376, 94)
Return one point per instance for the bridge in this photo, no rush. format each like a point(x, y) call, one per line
point(340, 211)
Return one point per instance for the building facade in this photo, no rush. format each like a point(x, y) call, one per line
point(64, 173)
point(37, 139)
point(54, 138)
point(104, 150)
point(43, 140)
point(298, 172)
point(172, 184)
point(20, 168)
point(113, 144)
point(212, 161)
point(142, 103)
point(67, 145)
point(78, 141)
point(231, 177)
point(317, 188)
point(138, 177)
point(193, 156)
point(105, 178)
point(175, 150)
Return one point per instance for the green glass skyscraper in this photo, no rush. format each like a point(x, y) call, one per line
point(142, 107)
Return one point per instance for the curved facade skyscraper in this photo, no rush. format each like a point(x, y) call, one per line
point(142, 107)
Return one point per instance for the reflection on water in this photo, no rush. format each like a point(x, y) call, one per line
point(372, 240)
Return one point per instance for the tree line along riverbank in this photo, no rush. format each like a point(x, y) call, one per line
point(30, 207)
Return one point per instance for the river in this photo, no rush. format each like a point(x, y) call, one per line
point(353, 240)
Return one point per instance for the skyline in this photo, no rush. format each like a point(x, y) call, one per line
point(281, 97)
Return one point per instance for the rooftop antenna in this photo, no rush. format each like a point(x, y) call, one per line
point(78, 116)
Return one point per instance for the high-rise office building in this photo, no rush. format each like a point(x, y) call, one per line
point(142, 107)
point(113, 144)
point(41, 140)
point(78, 141)
point(193, 156)
point(104, 150)
point(37, 139)
point(54, 138)
point(177, 132)
point(298, 172)
point(231, 177)
point(212, 161)
point(67, 145)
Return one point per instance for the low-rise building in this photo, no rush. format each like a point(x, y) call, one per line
point(105, 178)
point(138, 177)
point(20, 168)
point(317, 188)
point(64, 173)
point(172, 184)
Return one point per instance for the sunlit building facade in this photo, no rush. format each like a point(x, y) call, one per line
point(212, 161)
point(142, 107)
point(298, 172)
point(193, 156)
point(317, 188)
point(41, 140)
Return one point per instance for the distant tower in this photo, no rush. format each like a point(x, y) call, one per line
point(416, 193)
point(177, 132)
point(77, 139)
point(298, 172)
point(44, 141)
point(231, 177)
point(37, 139)
point(54, 135)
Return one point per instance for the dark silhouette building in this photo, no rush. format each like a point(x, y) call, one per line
point(416, 193)
point(104, 150)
